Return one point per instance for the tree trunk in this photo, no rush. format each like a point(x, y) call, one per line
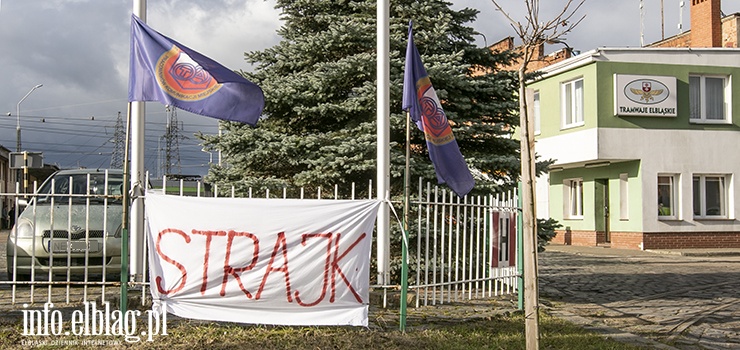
point(531, 292)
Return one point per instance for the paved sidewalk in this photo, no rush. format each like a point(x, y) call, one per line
point(688, 299)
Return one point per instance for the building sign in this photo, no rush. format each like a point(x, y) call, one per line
point(20, 160)
point(643, 95)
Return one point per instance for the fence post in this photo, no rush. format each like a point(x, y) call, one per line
point(520, 248)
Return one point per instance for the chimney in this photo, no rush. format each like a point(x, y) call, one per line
point(706, 23)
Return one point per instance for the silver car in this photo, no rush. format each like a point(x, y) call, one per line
point(71, 226)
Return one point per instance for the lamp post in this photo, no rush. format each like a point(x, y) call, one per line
point(18, 115)
point(18, 140)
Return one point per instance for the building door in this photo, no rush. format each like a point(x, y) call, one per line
point(602, 208)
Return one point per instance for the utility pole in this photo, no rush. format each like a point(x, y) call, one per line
point(172, 138)
point(119, 134)
point(642, 23)
point(662, 21)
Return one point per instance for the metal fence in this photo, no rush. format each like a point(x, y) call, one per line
point(65, 247)
point(456, 244)
point(453, 243)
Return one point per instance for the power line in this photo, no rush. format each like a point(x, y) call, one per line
point(92, 140)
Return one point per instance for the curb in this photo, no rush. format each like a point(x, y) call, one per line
point(696, 253)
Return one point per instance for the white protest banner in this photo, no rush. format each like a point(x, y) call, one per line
point(261, 261)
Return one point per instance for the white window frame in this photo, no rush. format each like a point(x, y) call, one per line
point(572, 105)
point(723, 212)
point(673, 184)
point(727, 100)
point(573, 198)
point(536, 111)
point(624, 201)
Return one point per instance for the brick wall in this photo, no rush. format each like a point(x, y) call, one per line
point(729, 30)
point(580, 238)
point(539, 59)
point(689, 240)
point(650, 240)
point(626, 240)
point(680, 40)
point(706, 30)
point(504, 44)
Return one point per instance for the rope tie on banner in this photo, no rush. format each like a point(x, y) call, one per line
point(404, 268)
point(400, 223)
point(136, 190)
point(157, 307)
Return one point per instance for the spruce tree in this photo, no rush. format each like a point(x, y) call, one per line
point(319, 129)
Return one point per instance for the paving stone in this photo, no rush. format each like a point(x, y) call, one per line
point(688, 301)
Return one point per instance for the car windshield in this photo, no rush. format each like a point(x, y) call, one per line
point(80, 185)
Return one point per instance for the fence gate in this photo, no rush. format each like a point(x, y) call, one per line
point(465, 248)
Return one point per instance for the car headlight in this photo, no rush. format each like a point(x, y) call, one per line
point(24, 230)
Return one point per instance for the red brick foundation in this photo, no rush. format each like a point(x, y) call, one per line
point(650, 240)
point(580, 238)
point(690, 240)
point(627, 240)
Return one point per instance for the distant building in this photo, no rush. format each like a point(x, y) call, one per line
point(539, 59)
point(7, 181)
point(708, 29)
point(8, 177)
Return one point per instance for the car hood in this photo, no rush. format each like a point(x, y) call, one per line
point(77, 216)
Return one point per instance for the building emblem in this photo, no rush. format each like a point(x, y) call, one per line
point(642, 91)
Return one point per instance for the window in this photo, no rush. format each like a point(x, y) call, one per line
point(710, 196)
point(572, 103)
point(667, 197)
point(573, 195)
point(536, 109)
point(61, 185)
point(708, 99)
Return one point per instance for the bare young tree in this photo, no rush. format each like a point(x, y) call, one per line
point(533, 33)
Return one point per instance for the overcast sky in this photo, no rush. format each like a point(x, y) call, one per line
point(78, 50)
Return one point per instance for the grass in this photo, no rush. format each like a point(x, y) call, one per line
point(502, 331)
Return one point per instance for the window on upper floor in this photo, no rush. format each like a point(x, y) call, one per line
point(572, 103)
point(573, 194)
point(710, 196)
point(536, 109)
point(709, 99)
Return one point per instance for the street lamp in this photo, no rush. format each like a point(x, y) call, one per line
point(18, 115)
point(18, 140)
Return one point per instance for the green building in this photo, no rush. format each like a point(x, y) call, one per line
point(646, 143)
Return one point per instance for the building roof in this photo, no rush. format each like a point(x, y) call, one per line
point(711, 56)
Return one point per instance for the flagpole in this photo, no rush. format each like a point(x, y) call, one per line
point(138, 121)
point(404, 237)
point(125, 222)
point(383, 139)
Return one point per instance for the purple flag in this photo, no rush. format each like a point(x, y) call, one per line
point(422, 103)
point(164, 70)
